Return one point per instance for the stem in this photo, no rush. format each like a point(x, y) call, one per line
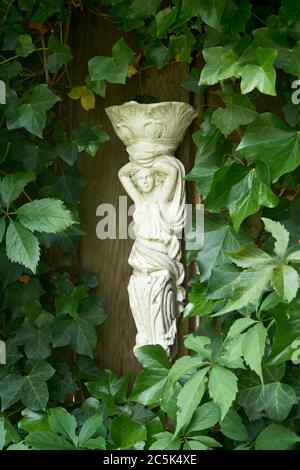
point(45, 59)
point(270, 324)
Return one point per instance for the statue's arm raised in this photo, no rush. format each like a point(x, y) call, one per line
point(124, 177)
point(171, 173)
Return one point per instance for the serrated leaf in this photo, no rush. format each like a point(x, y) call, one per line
point(281, 235)
point(250, 255)
point(125, 432)
point(198, 344)
point(189, 398)
point(233, 427)
point(22, 246)
point(222, 387)
point(45, 215)
point(239, 326)
point(182, 366)
point(206, 416)
point(11, 186)
point(2, 228)
point(276, 437)
point(285, 281)
point(253, 346)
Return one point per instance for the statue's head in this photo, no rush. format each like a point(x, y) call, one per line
point(143, 178)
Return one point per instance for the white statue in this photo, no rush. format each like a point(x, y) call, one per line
point(153, 179)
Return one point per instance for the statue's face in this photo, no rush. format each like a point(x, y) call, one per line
point(144, 180)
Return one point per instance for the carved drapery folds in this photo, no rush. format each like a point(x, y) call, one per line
point(153, 179)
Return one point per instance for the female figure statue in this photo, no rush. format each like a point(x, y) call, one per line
point(153, 179)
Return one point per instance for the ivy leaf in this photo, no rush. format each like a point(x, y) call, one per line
point(287, 331)
point(32, 114)
point(276, 437)
point(241, 190)
point(22, 246)
point(125, 432)
point(69, 304)
point(221, 281)
point(279, 398)
point(220, 65)
point(285, 281)
point(233, 427)
point(31, 388)
point(153, 357)
point(269, 139)
point(222, 387)
point(164, 19)
point(35, 339)
point(89, 139)
point(26, 46)
point(239, 111)
point(45, 215)
point(253, 347)
point(212, 12)
point(291, 11)
point(113, 69)
point(189, 398)
point(60, 54)
point(261, 76)
point(86, 96)
point(281, 235)
point(11, 186)
point(219, 238)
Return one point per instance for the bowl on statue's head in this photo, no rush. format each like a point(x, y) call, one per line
point(150, 130)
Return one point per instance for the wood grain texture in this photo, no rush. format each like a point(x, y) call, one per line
point(95, 36)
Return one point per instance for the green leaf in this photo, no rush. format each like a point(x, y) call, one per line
point(88, 139)
point(241, 190)
point(47, 441)
point(289, 62)
point(62, 422)
point(97, 443)
point(280, 234)
point(285, 281)
point(233, 427)
point(34, 421)
point(60, 54)
point(126, 433)
point(36, 340)
point(278, 400)
point(248, 288)
point(276, 437)
point(287, 332)
point(45, 215)
point(198, 304)
point(11, 186)
point(239, 111)
point(291, 11)
point(253, 347)
point(153, 357)
point(113, 69)
point(239, 326)
point(26, 46)
point(22, 246)
point(182, 366)
point(189, 398)
point(31, 388)
point(269, 139)
point(222, 387)
point(165, 441)
point(198, 344)
point(250, 256)
point(164, 19)
point(32, 114)
point(89, 428)
point(261, 76)
point(219, 238)
point(294, 257)
point(149, 385)
point(2, 433)
point(2, 228)
point(220, 65)
point(221, 281)
point(205, 417)
point(212, 12)
point(69, 304)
